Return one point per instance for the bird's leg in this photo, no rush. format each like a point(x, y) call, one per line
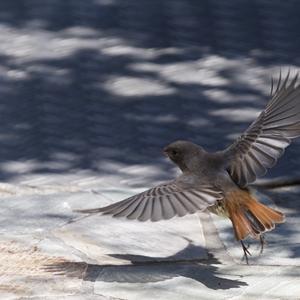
point(262, 243)
point(246, 252)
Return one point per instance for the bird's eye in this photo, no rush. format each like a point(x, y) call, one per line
point(174, 152)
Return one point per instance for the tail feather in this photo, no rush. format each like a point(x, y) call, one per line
point(266, 216)
point(242, 226)
point(250, 217)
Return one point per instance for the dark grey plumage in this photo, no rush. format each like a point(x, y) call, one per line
point(162, 202)
point(265, 140)
point(207, 177)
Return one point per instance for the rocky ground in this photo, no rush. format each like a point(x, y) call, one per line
point(90, 92)
point(50, 252)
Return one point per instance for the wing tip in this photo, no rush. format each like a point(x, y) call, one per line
point(88, 211)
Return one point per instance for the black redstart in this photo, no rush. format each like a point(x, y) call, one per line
point(218, 181)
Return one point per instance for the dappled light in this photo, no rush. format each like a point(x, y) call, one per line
point(76, 94)
point(91, 91)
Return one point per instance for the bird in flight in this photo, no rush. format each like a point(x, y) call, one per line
point(218, 182)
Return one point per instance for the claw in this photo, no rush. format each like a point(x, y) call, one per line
point(262, 243)
point(246, 252)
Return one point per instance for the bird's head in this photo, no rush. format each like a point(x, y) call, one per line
point(184, 154)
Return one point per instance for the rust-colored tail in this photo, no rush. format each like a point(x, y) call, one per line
point(248, 216)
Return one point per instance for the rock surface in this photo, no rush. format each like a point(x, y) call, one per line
point(90, 93)
point(49, 251)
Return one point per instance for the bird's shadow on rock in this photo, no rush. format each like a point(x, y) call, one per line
point(145, 269)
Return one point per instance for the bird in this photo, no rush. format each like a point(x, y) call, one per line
point(218, 182)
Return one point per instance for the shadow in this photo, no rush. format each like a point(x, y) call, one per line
point(94, 89)
point(98, 88)
point(144, 269)
point(233, 28)
point(204, 274)
point(287, 233)
point(189, 253)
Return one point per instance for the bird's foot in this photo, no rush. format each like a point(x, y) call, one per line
point(262, 243)
point(246, 252)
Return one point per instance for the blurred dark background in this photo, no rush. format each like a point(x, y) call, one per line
point(95, 88)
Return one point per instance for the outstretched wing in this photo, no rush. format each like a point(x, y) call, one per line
point(265, 140)
point(162, 202)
